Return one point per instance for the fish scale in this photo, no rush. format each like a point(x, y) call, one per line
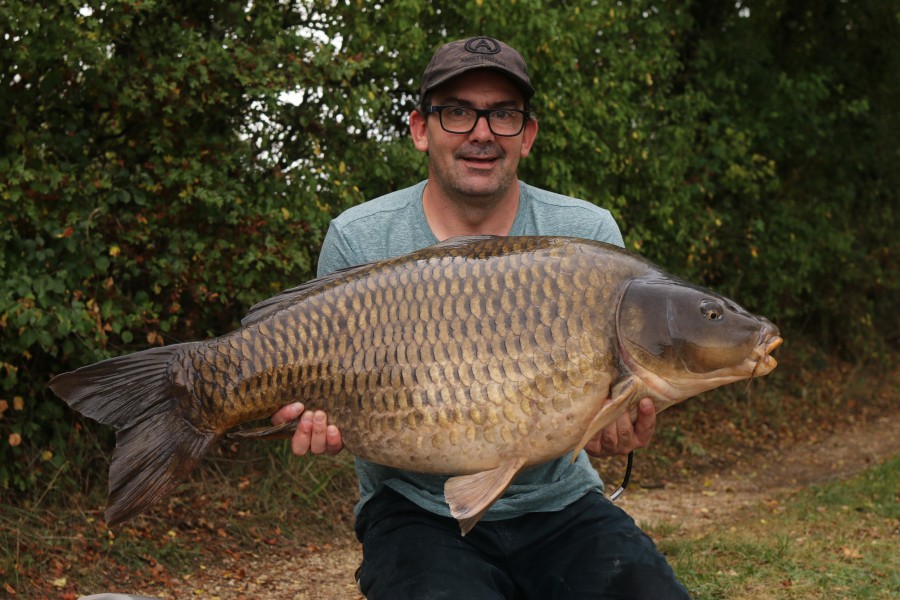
point(475, 358)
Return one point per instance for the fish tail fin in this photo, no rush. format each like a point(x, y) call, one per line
point(156, 445)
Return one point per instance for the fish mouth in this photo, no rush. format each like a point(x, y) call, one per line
point(765, 362)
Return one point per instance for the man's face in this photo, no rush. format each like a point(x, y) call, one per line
point(478, 163)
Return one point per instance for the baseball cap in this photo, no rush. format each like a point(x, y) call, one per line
point(455, 58)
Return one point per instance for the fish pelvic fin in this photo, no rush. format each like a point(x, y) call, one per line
point(624, 395)
point(268, 432)
point(470, 496)
point(156, 446)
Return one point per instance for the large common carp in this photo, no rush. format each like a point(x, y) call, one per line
point(476, 357)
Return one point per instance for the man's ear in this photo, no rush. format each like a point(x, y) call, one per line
point(528, 137)
point(418, 127)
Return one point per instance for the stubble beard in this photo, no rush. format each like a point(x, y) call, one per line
point(472, 189)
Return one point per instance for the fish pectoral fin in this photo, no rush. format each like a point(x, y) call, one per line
point(470, 496)
point(272, 432)
point(625, 394)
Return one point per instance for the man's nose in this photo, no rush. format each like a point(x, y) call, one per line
point(482, 130)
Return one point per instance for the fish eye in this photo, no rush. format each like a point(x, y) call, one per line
point(711, 310)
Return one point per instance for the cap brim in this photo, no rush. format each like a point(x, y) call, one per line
point(524, 86)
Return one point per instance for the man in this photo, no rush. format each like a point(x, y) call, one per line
point(552, 534)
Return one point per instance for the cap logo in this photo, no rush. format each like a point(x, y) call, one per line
point(483, 45)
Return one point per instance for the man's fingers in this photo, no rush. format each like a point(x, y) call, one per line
point(319, 425)
point(287, 413)
point(645, 424)
point(302, 437)
point(623, 436)
point(313, 434)
point(609, 439)
point(334, 443)
point(624, 433)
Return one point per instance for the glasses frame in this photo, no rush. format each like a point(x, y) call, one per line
point(479, 113)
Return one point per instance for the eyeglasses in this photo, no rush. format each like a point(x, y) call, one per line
point(505, 122)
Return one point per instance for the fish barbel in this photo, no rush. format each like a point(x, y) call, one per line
point(476, 357)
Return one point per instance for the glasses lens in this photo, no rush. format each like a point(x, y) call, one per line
point(505, 122)
point(458, 119)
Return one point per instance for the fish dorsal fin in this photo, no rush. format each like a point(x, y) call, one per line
point(470, 496)
point(263, 309)
point(462, 240)
point(625, 394)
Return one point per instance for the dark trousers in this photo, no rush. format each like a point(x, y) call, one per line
point(591, 549)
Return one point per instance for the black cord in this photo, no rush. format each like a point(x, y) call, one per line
point(615, 495)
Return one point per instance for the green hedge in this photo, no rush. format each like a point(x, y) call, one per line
point(156, 181)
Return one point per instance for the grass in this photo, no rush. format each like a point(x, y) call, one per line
point(833, 541)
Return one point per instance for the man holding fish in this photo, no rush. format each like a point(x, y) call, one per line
point(468, 338)
point(552, 534)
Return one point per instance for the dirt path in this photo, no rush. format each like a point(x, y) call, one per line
point(702, 502)
point(326, 571)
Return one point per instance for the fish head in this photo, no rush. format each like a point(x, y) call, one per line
point(682, 339)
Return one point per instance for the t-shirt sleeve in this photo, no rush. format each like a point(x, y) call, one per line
point(335, 253)
point(608, 231)
point(549, 213)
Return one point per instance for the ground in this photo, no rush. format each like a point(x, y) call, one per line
point(324, 569)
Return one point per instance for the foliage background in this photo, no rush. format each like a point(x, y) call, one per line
point(155, 181)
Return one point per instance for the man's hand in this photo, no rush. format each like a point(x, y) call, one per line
point(313, 433)
point(623, 436)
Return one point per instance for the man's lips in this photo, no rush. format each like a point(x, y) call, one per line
point(479, 156)
point(479, 161)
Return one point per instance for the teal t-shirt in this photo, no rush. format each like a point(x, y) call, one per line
point(395, 224)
